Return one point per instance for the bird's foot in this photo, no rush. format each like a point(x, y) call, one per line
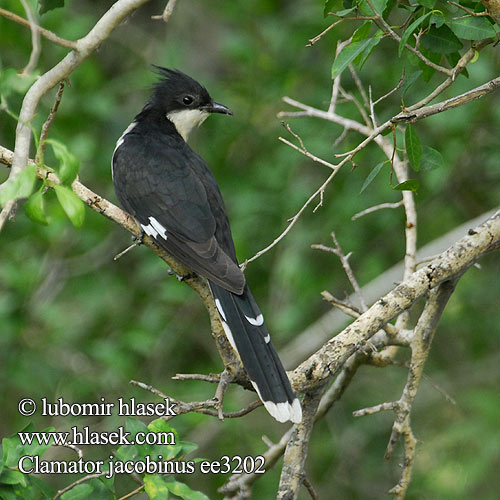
point(181, 277)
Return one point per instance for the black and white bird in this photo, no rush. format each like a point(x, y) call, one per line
point(174, 197)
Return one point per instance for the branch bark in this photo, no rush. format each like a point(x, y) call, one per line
point(454, 261)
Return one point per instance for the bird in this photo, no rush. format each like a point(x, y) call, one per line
point(175, 199)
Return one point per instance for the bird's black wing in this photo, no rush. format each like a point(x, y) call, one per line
point(176, 201)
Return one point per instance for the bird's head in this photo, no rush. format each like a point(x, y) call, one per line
point(184, 101)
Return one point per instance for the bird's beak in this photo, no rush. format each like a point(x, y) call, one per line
point(215, 107)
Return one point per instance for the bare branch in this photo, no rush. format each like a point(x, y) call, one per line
point(45, 33)
point(46, 126)
point(344, 260)
point(460, 100)
point(395, 89)
point(169, 10)
point(295, 456)
point(470, 12)
point(381, 206)
point(35, 41)
point(312, 41)
point(454, 261)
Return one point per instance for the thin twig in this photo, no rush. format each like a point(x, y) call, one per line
point(470, 12)
point(39, 158)
point(203, 407)
point(310, 488)
point(132, 493)
point(35, 41)
point(213, 379)
point(412, 115)
point(381, 206)
point(169, 9)
point(349, 97)
point(395, 89)
point(336, 80)
point(69, 44)
point(344, 260)
point(312, 41)
point(358, 83)
point(302, 149)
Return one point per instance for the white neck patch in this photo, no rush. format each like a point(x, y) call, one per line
point(186, 119)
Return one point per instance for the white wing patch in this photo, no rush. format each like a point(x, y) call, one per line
point(119, 142)
point(154, 228)
point(258, 321)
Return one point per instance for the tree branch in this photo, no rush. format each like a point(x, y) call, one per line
point(83, 49)
point(454, 261)
point(45, 33)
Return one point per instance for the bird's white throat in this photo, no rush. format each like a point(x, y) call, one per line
point(186, 119)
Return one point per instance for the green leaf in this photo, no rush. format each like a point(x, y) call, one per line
point(184, 491)
point(6, 493)
point(126, 453)
point(410, 80)
point(427, 71)
point(360, 42)
point(155, 487)
point(134, 425)
point(413, 26)
point(35, 208)
point(10, 476)
point(71, 204)
point(441, 40)
point(409, 185)
point(68, 163)
point(20, 186)
point(379, 6)
point(473, 28)
point(413, 148)
point(427, 3)
point(11, 451)
point(79, 492)
point(160, 425)
point(374, 41)
point(332, 6)
point(187, 447)
point(12, 81)
point(437, 18)
point(431, 159)
point(376, 169)
point(345, 12)
point(47, 5)
point(42, 487)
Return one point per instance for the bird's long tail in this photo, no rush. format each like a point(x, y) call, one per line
point(246, 331)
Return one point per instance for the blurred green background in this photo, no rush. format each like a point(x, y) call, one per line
point(75, 324)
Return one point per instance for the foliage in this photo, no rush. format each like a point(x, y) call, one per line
point(78, 325)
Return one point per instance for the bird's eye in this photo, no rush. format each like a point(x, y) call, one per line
point(187, 100)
